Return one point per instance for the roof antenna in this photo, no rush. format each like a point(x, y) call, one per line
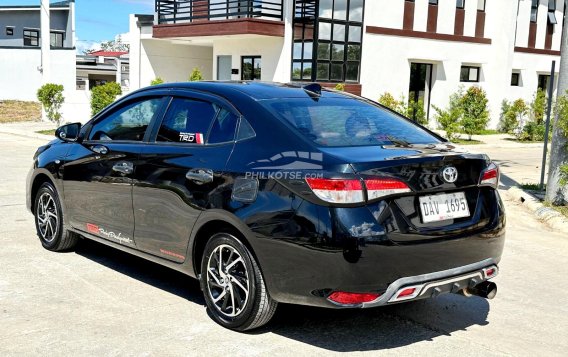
point(313, 90)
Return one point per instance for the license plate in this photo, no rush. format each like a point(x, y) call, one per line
point(438, 208)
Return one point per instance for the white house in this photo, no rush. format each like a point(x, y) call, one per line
point(20, 49)
point(422, 49)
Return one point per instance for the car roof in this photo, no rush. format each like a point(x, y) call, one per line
point(253, 89)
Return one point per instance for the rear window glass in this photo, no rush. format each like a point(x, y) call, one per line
point(347, 122)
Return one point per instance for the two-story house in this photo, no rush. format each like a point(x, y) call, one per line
point(420, 49)
point(20, 49)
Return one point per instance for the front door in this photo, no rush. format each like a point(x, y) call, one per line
point(97, 174)
point(181, 174)
point(224, 66)
point(419, 90)
point(251, 68)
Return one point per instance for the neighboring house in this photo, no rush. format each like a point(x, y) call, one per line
point(100, 67)
point(20, 49)
point(422, 49)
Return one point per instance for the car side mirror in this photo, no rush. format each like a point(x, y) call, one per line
point(68, 132)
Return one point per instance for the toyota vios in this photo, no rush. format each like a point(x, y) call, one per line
point(274, 194)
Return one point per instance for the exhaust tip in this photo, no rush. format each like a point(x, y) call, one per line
point(486, 290)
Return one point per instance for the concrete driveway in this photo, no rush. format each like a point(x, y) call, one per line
point(98, 301)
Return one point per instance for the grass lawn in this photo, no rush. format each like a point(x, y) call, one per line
point(46, 132)
point(467, 142)
point(562, 209)
point(486, 132)
point(525, 141)
point(14, 111)
point(532, 186)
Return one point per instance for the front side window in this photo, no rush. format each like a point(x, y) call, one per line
point(347, 122)
point(127, 123)
point(31, 38)
point(187, 121)
point(469, 74)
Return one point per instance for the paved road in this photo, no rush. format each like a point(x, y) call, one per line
point(97, 301)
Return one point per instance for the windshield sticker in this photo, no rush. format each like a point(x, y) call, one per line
point(196, 138)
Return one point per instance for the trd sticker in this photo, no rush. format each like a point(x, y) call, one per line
point(94, 229)
point(196, 138)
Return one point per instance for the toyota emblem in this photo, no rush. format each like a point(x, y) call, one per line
point(450, 174)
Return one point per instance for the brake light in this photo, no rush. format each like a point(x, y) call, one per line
point(337, 190)
point(377, 188)
point(344, 298)
point(490, 177)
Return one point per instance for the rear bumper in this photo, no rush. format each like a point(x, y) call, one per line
point(433, 284)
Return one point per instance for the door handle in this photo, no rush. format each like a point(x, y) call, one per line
point(123, 167)
point(100, 149)
point(200, 176)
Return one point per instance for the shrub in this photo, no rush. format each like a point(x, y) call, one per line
point(156, 81)
point(51, 97)
point(532, 131)
point(538, 106)
point(195, 75)
point(513, 120)
point(102, 96)
point(449, 119)
point(475, 112)
point(410, 109)
point(390, 102)
point(340, 87)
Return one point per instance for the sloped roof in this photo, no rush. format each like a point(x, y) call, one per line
point(107, 53)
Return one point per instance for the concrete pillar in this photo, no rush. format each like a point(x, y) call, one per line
point(45, 41)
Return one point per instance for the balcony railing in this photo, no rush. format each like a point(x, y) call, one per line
point(184, 11)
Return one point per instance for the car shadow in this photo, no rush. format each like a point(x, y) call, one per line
point(334, 330)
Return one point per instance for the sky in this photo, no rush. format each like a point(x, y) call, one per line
point(99, 20)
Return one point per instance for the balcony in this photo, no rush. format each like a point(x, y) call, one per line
point(188, 11)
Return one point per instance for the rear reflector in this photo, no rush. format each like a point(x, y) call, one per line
point(377, 188)
point(490, 272)
point(406, 293)
point(490, 177)
point(344, 298)
point(337, 190)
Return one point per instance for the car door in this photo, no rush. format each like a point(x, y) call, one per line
point(181, 173)
point(97, 174)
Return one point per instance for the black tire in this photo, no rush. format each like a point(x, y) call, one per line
point(257, 308)
point(49, 221)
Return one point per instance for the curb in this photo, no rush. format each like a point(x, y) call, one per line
point(27, 134)
point(551, 217)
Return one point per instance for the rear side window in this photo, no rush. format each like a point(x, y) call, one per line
point(223, 129)
point(187, 121)
point(127, 123)
point(347, 122)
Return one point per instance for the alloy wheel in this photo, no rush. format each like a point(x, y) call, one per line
point(227, 280)
point(47, 218)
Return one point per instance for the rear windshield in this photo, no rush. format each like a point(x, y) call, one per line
point(347, 122)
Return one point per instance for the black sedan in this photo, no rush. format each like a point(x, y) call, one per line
point(274, 194)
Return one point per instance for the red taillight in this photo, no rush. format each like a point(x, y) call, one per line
point(344, 298)
point(337, 190)
point(490, 177)
point(377, 188)
point(351, 191)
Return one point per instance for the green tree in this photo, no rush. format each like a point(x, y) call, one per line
point(513, 117)
point(102, 96)
point(156, 81)
point(449, 119)
point(51, 97)
point(195, 75)
point(475, 112)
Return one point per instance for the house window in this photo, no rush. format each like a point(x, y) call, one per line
point(433, 2)
point(9, 31)
point(31, 38)
point(552, 12)
point(460, 4)
point(56, 39)
point(543, 81)
point(481, 5)
point(534, 10)
point(515, 79)
point(251, 68)
point(327, 47)
point(469, 74)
